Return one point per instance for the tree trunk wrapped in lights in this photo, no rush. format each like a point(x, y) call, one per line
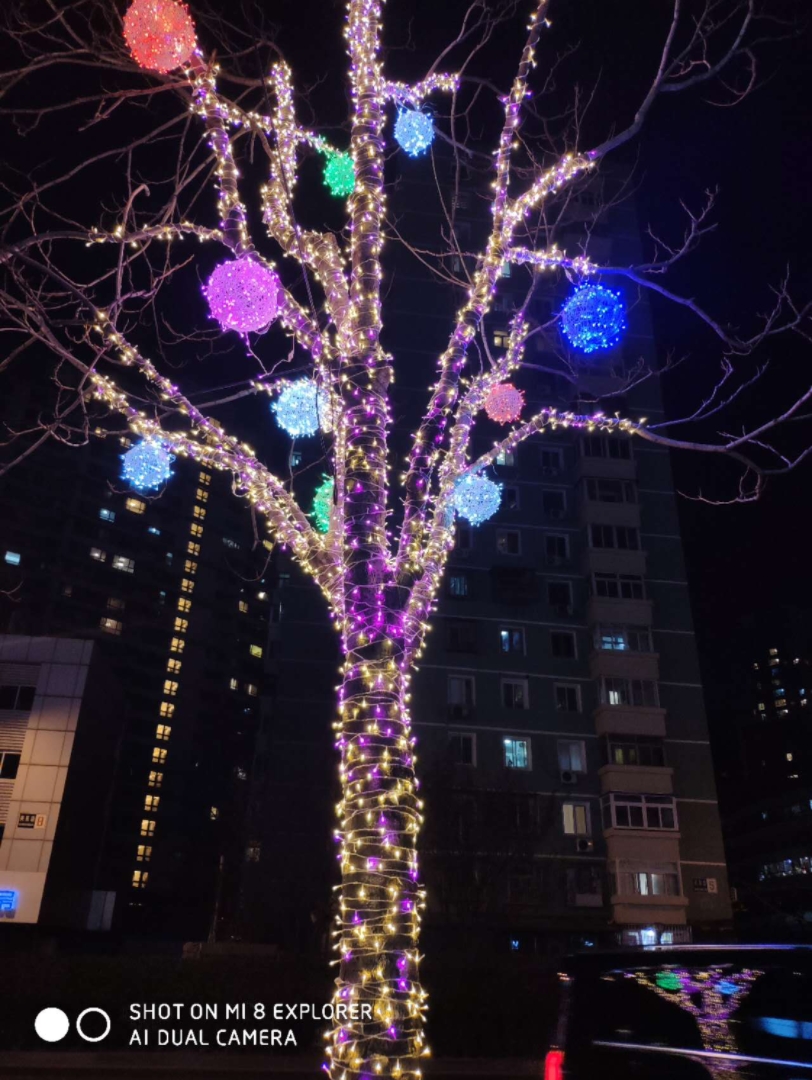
point(379, 573)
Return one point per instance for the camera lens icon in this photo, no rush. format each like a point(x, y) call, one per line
point(52, 1025)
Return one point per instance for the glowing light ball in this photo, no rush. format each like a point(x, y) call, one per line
point(667, 980)
point(160, 34)
point(504, 403)
point(323, 503)
point(593, 319)
point(147, 465)
point(414, 130)
point(476, 498)
point(242, 295)
point(339, 174)
point(302, 408)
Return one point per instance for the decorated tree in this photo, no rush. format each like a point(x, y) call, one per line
point(92, 297)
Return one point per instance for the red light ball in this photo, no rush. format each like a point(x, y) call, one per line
point(160, 34)
point(504, 403)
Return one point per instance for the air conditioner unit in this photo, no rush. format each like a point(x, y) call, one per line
point(568, 776)
point(555, 514)
point(549, 470)
point(582, 845)
point(459, 712)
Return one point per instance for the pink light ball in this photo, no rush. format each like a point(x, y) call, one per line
point(504, 403)
point(160, 34)
point(243, 295)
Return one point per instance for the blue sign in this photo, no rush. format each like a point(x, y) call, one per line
point(8, 903)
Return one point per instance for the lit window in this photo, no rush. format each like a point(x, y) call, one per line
point(143, 853)
point(135, 506)
point(214, 813)
point(121, 562)
point(204, 478)
point(508, 542)
point(170, 688)
point(251, 690)
point(506, 458)
point(252, 853)
point(111, 626)
point(575, 819)
point(147, 827)
point(152, 802)
point(187, 585)
point(184, 604)
point(504, 270)
point(196, 530)
point(192, 548)
point(153, 531)
point(198, 512)
point(140, 878)
point(458, 585)
point(173, 666)
point(262, 596)
point(789, 757)
point(233, 684)
point(169, 556)
point(162, 732)
point(517, 753)
point(107, 515)
point(155, 779)
point(181, 626)
point(177, 644)
point(255, 650)
point(761, 706)
point(244, 607)
point(190, 567)
point(167, 710)
point(201, 495)
point(97, 554)
point(501, 339)
point(511, 640)
point(773, 652)
point(159, 755)
point(231, 543)
point(13, 557)
point(115, 604)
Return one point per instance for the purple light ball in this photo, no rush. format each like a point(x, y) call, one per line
point(242, 295)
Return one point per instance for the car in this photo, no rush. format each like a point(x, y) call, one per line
point(685, 1012)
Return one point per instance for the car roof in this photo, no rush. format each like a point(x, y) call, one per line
point(662, 954)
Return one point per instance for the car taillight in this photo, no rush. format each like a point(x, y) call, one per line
point(554, 1065)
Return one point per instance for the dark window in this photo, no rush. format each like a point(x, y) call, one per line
point(559, 595)
point(9, 764)
point(17, 697)
point(563, 645)
point(461, 748)
point(566, 698)
point(461, 636)
point(553, 503)
point(556, 550)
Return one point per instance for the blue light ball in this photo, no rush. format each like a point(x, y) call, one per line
point(414, 130)
point(593, 319)
point(476, 498)
point(302, 409)
point(147, 465)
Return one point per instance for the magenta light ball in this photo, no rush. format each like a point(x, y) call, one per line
point(243, 295)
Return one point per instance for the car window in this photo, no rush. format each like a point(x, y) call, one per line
point(775, 1020)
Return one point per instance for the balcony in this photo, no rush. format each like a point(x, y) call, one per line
point(609, 513)
point(649, 909)
point(614, 561)
point(620, 468)
point(606, 609)
point(624, 664)
point(630, 720)
point(637, 779)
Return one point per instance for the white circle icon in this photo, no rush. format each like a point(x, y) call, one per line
point(91, 1038)
point(51, 1025)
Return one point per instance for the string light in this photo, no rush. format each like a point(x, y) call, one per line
point(302, 409)
point(160, 34)
point(242, 295)
point(323, 503)
point(414, 130)
point(147, 465)
point(504, 403)
point(477, 498)
point(593, 318)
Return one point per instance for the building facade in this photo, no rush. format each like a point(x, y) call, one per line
point(172, 586)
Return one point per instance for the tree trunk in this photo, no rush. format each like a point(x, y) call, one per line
point(380, 897)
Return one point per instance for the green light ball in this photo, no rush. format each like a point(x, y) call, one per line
point(339, 174)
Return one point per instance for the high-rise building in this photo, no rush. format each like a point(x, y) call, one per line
point(570, 792)
point(172, 586)
point(765, 755)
